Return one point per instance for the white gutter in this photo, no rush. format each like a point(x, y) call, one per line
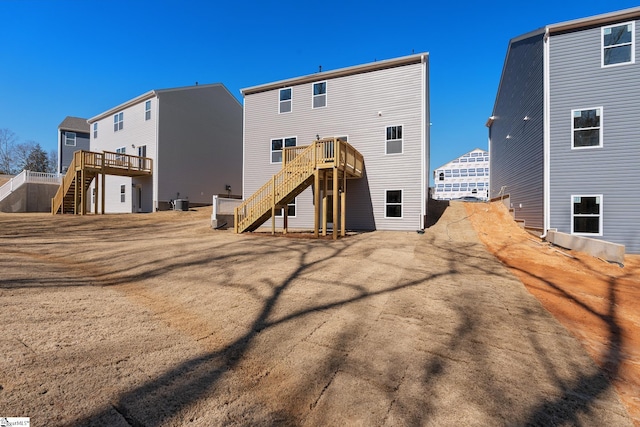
point(546, 137)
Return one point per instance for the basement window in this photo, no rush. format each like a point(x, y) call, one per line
point(393, 204)
point(586, 213)
point(122, 194)
point(291, 210)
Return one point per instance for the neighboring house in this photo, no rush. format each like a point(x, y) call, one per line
point(564, 134)
point(380, 108)
point(194, 137)
point(468, 175)
point(73, 135)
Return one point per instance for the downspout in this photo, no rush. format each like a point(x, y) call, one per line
point(424, 141)
point(546, 137)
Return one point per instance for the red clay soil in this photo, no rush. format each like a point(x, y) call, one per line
point(595, 300)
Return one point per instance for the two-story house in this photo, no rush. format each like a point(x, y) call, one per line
point(381, 109)
point(467, 175)
point(564, 131)
point(193, 136)
point(73, 135)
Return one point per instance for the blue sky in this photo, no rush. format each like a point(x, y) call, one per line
point(79, 58)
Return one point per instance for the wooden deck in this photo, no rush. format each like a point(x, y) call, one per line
point(323, 160)
point(87, 165)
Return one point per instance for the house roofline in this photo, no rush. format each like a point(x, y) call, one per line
point(341, 72)
point(605, 18)
point(148, 95)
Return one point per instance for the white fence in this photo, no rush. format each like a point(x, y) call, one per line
point(28, 177)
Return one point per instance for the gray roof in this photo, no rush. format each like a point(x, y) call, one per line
point(74, 124)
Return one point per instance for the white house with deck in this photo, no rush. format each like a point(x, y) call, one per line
point(193, 136)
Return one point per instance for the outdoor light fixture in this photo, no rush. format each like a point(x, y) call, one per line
point(526, 118)
point(508, 136)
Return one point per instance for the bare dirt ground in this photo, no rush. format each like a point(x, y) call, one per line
point(157, 320)
point(595, 300)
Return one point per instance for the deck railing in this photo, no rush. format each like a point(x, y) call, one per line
point(26, 177)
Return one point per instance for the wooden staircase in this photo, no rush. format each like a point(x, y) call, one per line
point(87, 165)
point(300, 167)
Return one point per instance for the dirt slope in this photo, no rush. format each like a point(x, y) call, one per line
point(597, 301)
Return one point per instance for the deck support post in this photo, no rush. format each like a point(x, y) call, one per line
point(336, 196)
point(104, 186)
point(343, 206)
point(285, 219)
point(273, 206)
point(316, 201)
point(325, 199)
point(75, 193)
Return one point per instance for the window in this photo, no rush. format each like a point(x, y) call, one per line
point(118, 121)
point(393, 205)
point(586, 128)
point(285, 100)
point(320, 95)
point(147, 110)
point(441, 176)
point(394, 140)
point(121, 150)
point(291, 210)
point(122, 189)
point(70, 138)
point(618, 44)
point(277, 145)
point(586, 213)
point(95, 130)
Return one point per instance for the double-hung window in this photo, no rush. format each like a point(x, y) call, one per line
point(95, 130)
point(586, 215)
point(586, 128)
point(319, 94)
point(119, 151)
point(118, 120)
point(70, 139)
point(147, 110)
point(618, 44)
point(122, 193)
point(393, 204)
point(277, 145)
point(285, 100)
point(394, 140)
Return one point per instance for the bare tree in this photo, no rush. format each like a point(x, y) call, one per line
point(53, 161)
point(21, 154)
point(8, 141)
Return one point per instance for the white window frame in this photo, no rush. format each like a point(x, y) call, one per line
point(600, 215)
point(601, 128)
point(271, 150)
point(147, 110)
point(280, 212)
point(120, 150)
point(95, 130)
point(314, 96)
point(386, 141)
point(281, 101)
point(118, 121)
point(123, 194)
point(70, 142)
point(632, 44)
point(401, 204)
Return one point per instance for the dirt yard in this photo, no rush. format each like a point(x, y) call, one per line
point(157, 320)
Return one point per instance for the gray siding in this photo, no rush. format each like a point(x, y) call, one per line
point(199, 144)
point(360, 107)
point(517, 162)
point(65, 152)
point(578, 81)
